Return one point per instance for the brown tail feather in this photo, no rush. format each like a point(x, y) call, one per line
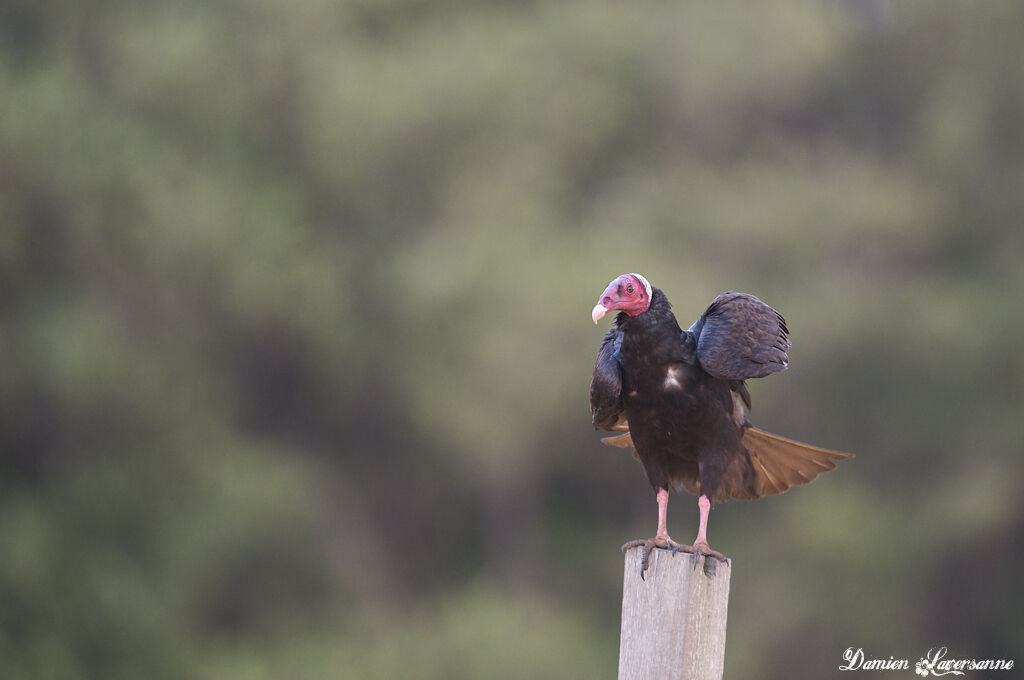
point(622, 441)
point(780, 463)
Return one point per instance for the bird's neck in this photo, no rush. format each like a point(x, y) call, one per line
point(657, 315)
point(653, 337)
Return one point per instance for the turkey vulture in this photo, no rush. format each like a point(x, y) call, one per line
point(678, 397)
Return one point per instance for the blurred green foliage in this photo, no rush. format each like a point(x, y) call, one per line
point(293, 311)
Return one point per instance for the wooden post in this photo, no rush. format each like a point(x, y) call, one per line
point(673, 623)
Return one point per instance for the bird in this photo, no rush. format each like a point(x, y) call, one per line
point(680, 399)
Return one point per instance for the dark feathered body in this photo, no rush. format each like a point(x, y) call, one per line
point(681, 393)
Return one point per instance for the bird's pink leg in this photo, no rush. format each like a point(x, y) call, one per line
point(662, 534)
point(704, 505)
point(660, 540)
point(700, 545)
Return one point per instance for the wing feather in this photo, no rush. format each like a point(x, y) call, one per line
point(739, 337)
point(606, 384)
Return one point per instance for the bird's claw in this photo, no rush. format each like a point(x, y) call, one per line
point(698, 549)
point(663, 542)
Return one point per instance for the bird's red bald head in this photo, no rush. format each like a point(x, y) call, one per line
point(630, 293)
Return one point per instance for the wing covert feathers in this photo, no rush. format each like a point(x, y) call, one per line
point(739, 337)
point(606, 383)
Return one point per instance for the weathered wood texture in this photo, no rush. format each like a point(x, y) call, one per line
point(673, 623)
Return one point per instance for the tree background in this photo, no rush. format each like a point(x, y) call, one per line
point(294, 323)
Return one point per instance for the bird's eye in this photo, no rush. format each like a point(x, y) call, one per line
point(629, 289)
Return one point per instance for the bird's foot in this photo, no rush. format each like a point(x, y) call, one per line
point(648, 545)
point(700, 548)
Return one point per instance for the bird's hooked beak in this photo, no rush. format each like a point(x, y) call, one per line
point(607, 302)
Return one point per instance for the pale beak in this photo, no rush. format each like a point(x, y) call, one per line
point(599, 311)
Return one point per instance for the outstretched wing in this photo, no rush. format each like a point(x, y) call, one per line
point(606, 384)
point(740, 337)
